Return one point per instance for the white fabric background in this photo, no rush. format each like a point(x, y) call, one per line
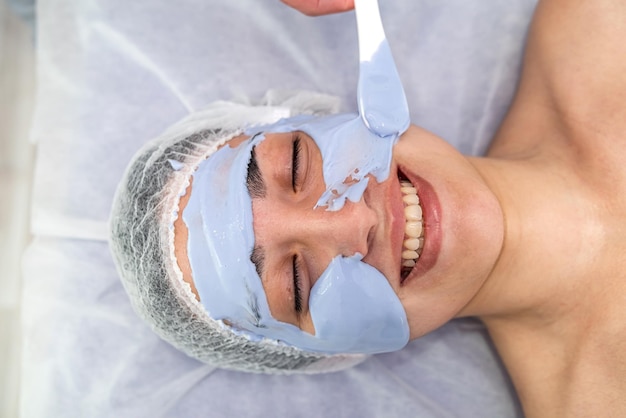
point(113, 74)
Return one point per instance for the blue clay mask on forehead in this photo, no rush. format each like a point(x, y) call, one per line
point(353, 307)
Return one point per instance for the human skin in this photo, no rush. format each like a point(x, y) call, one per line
point(320, 7)
point(533, 234)
point(555, 301)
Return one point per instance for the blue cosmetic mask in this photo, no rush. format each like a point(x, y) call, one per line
point(353, 306)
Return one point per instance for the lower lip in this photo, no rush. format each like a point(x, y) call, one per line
point(432, 227)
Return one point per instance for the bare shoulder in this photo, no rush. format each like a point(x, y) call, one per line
point(578, 47)
point(574, 72)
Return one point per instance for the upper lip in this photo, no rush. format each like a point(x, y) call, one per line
point(389, 237)
point(381, 198)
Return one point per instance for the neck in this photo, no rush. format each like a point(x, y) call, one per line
point(552, 243)
point(549, 301)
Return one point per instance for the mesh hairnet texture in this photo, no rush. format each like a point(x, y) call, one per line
point(142, 238)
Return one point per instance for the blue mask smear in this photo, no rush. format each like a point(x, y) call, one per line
point(353, 307)
point(349, 151)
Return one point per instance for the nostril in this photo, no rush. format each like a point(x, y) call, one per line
point(363, 245)
point(370, 239)
point(352, 228)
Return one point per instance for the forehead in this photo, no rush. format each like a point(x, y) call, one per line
point(236, 141)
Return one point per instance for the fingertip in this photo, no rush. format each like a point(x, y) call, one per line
point(320, 7)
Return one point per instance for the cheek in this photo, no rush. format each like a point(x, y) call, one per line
point(429, 312)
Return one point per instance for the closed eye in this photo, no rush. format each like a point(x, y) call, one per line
point(295, 161)
point(297, 287)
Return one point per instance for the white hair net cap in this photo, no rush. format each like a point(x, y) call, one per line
point(142, 237)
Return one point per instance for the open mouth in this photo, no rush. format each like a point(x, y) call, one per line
point(413, 228)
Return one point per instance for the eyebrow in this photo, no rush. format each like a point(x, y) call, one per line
point(254, 179)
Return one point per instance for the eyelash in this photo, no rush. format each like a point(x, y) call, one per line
point(297, 291)
point(295, 181)
point(295, 162)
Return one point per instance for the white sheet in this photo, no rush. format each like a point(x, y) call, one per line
point(113, 74)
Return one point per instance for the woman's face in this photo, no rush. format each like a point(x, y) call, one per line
point(294, 241)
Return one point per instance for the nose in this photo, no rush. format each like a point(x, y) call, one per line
point(343, 232)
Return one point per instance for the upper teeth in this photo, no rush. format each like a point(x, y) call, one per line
point(413, 230)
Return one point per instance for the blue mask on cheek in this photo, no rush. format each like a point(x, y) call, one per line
point(352, 305)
